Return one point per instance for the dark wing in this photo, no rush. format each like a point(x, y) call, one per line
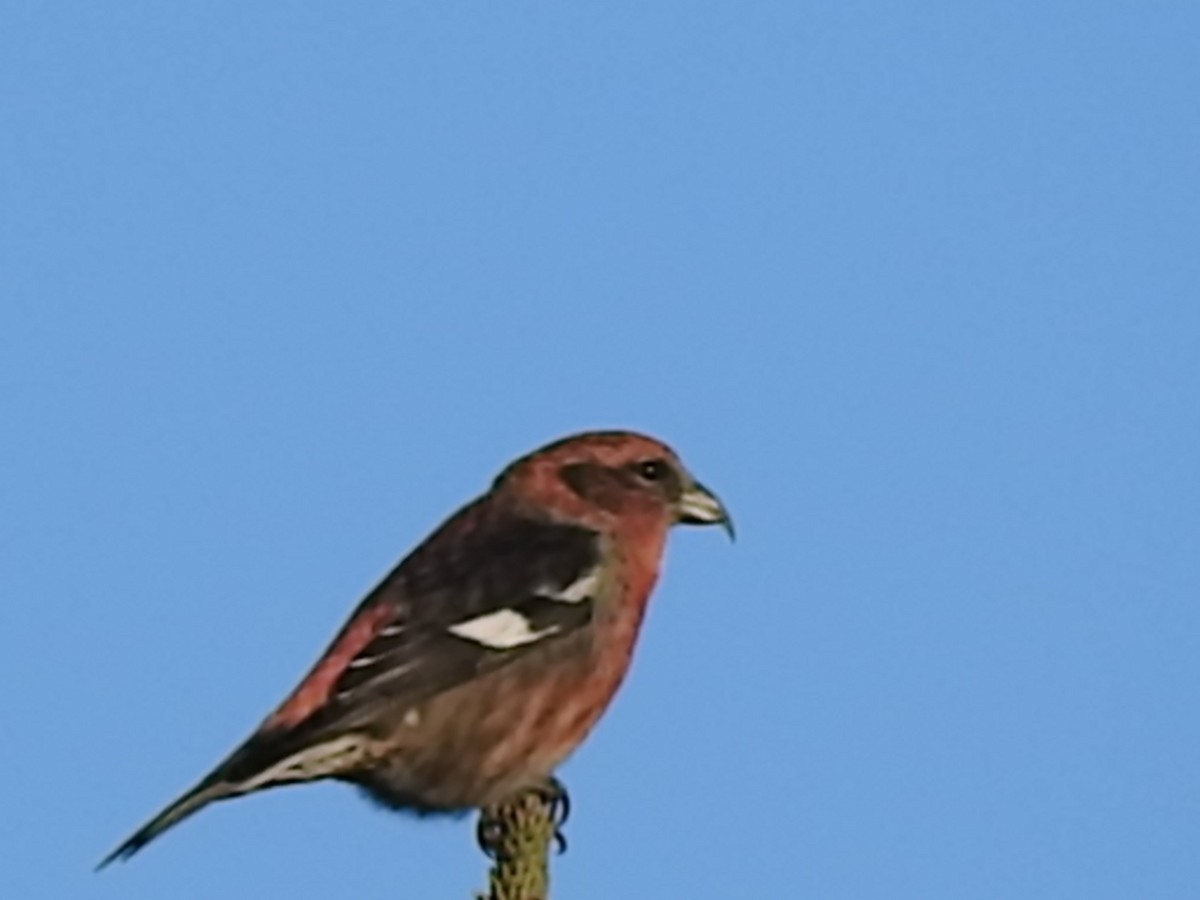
point(478, 594)
point(481, 591)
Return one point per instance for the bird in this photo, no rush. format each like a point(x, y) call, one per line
point(479, 663)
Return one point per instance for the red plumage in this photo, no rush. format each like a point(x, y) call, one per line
point(488, 654)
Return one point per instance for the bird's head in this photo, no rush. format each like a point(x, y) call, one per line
point(605, 474)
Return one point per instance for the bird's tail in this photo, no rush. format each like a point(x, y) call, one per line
point(261, 762)
point(200, 796)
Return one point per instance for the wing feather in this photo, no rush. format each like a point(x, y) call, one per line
point(409, 638)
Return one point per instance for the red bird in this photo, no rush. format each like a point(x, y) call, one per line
point(488, 654)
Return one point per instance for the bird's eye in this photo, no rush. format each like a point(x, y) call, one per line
point(652, 470)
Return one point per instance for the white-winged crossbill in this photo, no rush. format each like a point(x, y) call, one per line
point(488, 654)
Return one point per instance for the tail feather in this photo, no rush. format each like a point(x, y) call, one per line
point(255, 766)
point(199, 796)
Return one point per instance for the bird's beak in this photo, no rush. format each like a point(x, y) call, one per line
point(700, 506)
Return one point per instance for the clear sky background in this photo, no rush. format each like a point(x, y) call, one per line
point(915, 287)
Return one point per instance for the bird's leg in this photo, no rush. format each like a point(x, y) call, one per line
point(489, 831)
point(554, 794)
point(496, 822)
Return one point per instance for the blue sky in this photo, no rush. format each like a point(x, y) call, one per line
point(913, 286)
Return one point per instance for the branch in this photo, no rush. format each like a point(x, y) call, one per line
point(518, 836)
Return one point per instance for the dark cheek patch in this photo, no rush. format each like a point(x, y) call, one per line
point(595, 484)
point(585, 479)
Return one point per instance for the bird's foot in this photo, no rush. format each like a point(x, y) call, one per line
point(554, 795)
point(489, 832)
point(497, 821)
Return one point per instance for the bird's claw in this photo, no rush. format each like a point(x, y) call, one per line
point(554, 795)
point(489, 832)
point(493, 824)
